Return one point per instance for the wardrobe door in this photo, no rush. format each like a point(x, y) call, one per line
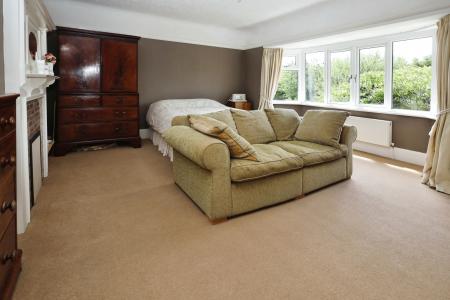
point(79, 63)
point(119, 66)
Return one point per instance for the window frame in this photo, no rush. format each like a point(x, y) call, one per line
point(296, 67)
point(328, 75)
point(354, 47)
point(325, 78)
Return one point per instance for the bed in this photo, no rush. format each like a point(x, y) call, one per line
point(160, 115)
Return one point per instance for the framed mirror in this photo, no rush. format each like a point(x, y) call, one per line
point(32, 45)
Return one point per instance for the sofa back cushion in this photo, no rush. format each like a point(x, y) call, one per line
point(253, 126)
point(322, 127)
point(238, 146)
point(284, 122)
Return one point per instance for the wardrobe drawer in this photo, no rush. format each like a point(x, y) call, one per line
point(90, 115)
point(79, 101)
point(119, 100)
point(97, 131)
point(8, 252)
point(8, 152)
point(7, 120)
point(7, 199)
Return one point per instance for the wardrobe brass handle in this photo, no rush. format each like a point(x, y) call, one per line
point(5, 206)
point(9, 256)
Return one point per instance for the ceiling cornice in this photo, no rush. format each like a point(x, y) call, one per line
point(100, 18)
point(325, 18)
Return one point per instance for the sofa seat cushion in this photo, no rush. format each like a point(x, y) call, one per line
point(272, 160)
point(312, 153)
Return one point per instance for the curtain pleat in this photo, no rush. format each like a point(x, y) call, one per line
point(436, 172)
point(270, 74)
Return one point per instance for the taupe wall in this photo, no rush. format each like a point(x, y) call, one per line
point(253, 74)
point(2, 72)
point(407, 132)
point(169, 70)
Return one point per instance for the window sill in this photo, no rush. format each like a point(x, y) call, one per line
point(418, 114)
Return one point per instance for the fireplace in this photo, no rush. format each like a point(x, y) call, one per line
point(25, 26)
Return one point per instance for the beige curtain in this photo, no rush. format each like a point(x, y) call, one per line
point(270, 74)
point(436, 172)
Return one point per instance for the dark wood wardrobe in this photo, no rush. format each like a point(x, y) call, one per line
point(98, 100)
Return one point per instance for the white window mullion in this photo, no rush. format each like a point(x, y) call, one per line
point(388, 76)
point(327, 77)
point(302, 78)
point(355, 76)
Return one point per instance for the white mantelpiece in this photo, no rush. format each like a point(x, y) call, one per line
point(21, 17)
point(36, 84)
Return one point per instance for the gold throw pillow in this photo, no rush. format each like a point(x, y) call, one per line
point(238, 146)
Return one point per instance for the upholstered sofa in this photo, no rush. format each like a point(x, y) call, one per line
point(289, 168)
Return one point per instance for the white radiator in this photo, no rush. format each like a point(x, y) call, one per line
point(373, 131)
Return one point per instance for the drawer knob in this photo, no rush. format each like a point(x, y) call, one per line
point(120, 113)
point(117, 129)
point(5, 161)
point(119, 100)
point(5, 206)
point(9, 121)
point(9, 256)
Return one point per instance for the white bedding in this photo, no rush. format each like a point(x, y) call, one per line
point(161, 113)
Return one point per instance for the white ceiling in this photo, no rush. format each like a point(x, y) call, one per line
point(224, 13)
point(244, 24)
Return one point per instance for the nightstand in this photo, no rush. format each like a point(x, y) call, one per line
point(240, 105)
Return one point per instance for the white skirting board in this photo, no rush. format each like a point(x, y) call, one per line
point(413, 157)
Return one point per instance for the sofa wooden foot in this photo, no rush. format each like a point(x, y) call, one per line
point(218, 221)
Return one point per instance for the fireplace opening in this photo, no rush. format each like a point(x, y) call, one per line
point(34, 148)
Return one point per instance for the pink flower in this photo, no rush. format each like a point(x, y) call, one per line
point(50, 58)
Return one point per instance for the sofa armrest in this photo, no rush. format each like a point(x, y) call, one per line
point(348, 137)
point(207, 152)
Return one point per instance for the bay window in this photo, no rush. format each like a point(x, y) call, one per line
point(391, 74)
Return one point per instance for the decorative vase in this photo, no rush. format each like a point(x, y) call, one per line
point(50, 68)
point(41, 66)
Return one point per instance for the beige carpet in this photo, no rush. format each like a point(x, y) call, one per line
point(112, 225)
